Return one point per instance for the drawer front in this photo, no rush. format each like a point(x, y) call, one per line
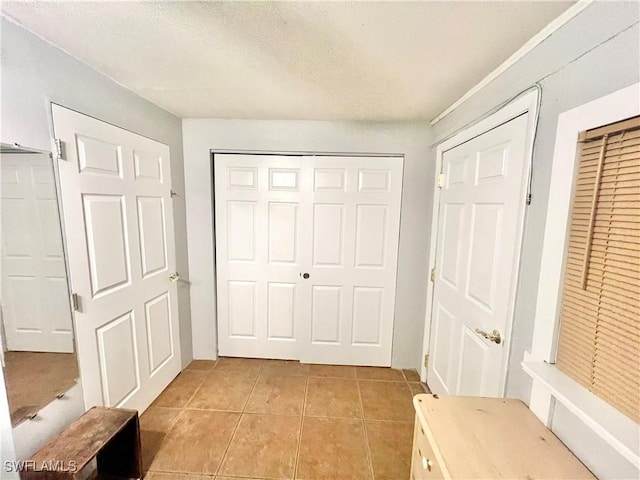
point(423, 462)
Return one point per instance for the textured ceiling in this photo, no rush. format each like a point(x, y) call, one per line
point(380, 61)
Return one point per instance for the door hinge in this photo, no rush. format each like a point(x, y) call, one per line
point(75, 302)
point(59, 147)
point(433, 274)
point(426, 361)
point(440, 180)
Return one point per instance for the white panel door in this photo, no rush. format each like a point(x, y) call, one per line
point(353, 207)
point(259, 254)
point(35, 296)
point(306, 255)
point(118, 217)
point(479, 236)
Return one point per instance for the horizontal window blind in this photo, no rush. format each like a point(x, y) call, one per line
point(599, 340)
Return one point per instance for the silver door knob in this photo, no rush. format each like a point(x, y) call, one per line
point(174, 277)
point(426, 463)
point(493, 336)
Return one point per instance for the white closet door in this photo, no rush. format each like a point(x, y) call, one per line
point(353, 207)
point(35, 297)
point(259, 254)
point(118, 217)
point(306, 256)
point(479, 235)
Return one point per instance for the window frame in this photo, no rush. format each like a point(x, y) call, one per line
point(550, 385)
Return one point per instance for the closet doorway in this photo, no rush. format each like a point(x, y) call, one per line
point(306, 256)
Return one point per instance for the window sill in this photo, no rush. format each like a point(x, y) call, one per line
point(617, 429)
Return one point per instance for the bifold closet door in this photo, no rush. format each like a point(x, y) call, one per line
point(353, 205)
point(258, 254)
point(306, 256)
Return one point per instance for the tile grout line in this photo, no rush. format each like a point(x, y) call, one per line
point(182, 410)
point(184, 407)
point(173, 424)
point(364, 429)
point(304, 408)
point(262, 369)
point(235, 429)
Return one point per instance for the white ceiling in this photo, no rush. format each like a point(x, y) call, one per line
point(380, 61)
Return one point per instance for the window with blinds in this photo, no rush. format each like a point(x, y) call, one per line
point(599, 341)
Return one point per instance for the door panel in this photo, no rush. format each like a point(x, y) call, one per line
point(159, 335)
point(367, 315)
point(335, 219)
point(258, 254)
point(283, 232)
point(241, 226)
point(444, 328)
point(328, 234)
point(479, 235)
point(474, 357)
point(281, 311)
point(450, 252)
point(284, 179)
point(105, 224)
point(35, 303)
point(118, 357)
point(99, 157)
point(147, 166)
point(482, 266)
point(242, 309)
point(116, 196)
point(329, 179)
point(326, 314)
point(374, 180)
point(153, 249)
point(355, 248)
point(371, 229)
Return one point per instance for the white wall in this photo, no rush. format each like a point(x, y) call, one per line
point(34, 74)
point(202, 136)
point(596, 53)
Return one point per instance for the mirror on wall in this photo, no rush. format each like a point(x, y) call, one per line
point(38, 350)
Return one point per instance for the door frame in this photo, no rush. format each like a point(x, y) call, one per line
point(527, 103)
point(288, 153)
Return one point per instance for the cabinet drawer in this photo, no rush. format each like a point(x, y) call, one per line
point(423, 463)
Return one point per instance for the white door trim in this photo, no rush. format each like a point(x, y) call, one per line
point(527, 104)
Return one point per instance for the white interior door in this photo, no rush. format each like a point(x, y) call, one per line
point(259, 254)
point(352, 206)
point(479, 236)
point(118, 217)
point(35, 296)
point(306, 256)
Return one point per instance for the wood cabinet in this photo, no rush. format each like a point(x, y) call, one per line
point(482, 438)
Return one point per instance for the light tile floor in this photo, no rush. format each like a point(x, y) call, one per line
point(241, 418)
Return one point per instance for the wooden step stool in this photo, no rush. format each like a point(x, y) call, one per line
point(110, 435)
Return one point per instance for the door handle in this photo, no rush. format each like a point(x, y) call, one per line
point(174, 277)
point(493, 336)
point(305, 275)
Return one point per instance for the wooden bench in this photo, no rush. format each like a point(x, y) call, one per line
point(110, 435)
